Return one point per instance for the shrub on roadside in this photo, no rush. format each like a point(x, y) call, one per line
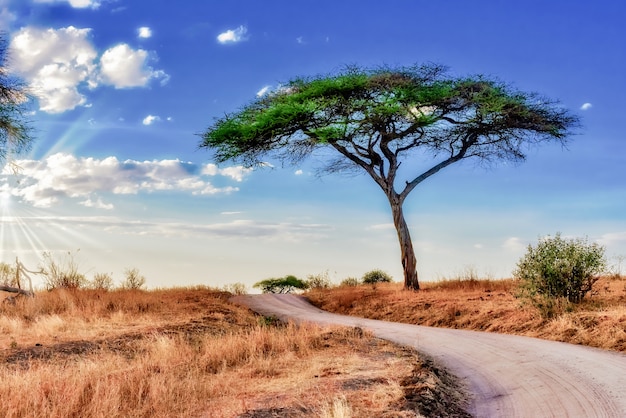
point(236, 288)
point(560, 268)
point(350, 282)
point(376, 276)
point(319, 281)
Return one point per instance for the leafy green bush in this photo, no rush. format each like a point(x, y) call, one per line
point(560, 268)
point(376, 276)
point(285, 284)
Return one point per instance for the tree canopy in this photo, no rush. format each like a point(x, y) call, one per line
point(377, 118)
point(15, 133)
point(285, 284)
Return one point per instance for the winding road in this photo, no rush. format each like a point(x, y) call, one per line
point(506, 375)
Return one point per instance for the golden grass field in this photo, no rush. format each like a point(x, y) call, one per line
point(189, 352)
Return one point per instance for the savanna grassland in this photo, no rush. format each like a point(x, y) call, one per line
point(189, 352)
point(490, 305)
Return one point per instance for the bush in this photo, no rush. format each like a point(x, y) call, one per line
point(62, 272)
point(376, 276)
point(102, 281)
point(236, 288)
point(133, 280)
point(318, 281)
point(286, 284)
point(560, 268)
point(7, 275)
point(350, 282)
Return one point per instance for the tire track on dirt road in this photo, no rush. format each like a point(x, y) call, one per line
point(507, 376)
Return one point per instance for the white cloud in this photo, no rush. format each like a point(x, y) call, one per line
point(124, 67)
point(60, 63)
point(150, 119)
point(236, 173)
point(64, 176)
point(300, 40)
point(298, 172)
point(144, 32)
point(77, 4)
point(263, 91)
point(233, 36)
point(513, 244)
point(98, 204)
point(55, 62)
point(586, 106)
point(612, 238)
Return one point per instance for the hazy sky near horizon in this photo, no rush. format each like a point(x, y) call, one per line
point(123, 88)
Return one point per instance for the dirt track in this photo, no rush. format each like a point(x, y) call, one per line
point(507, 376)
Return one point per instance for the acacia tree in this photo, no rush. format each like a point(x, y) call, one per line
point(15, 133)
point(374, 119)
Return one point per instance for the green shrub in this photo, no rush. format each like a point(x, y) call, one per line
point(376, 276)
point(560, 268)
point(285, 284)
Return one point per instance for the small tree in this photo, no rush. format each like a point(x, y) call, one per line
point(285, 284)
point(376, 276)
point(560, 268)
point(133, 280)
point(375, 119)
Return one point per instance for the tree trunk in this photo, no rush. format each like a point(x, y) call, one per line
point(409, 262)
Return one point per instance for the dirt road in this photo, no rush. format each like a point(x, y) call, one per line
point(507, 376)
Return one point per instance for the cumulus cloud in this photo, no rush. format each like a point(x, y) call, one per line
point(59, 64)
point(586, 106)
point(64, 176)
point(298, 172)
point(233, 36)
point(236, 173)
point(144, 32)
point(77, 4)
point(124, 67)
point(55, 63)
point(150, 119)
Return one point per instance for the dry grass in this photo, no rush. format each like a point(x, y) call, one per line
point(191, 353)
point(489, 305)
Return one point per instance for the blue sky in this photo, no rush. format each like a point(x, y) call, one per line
point(123, 88)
